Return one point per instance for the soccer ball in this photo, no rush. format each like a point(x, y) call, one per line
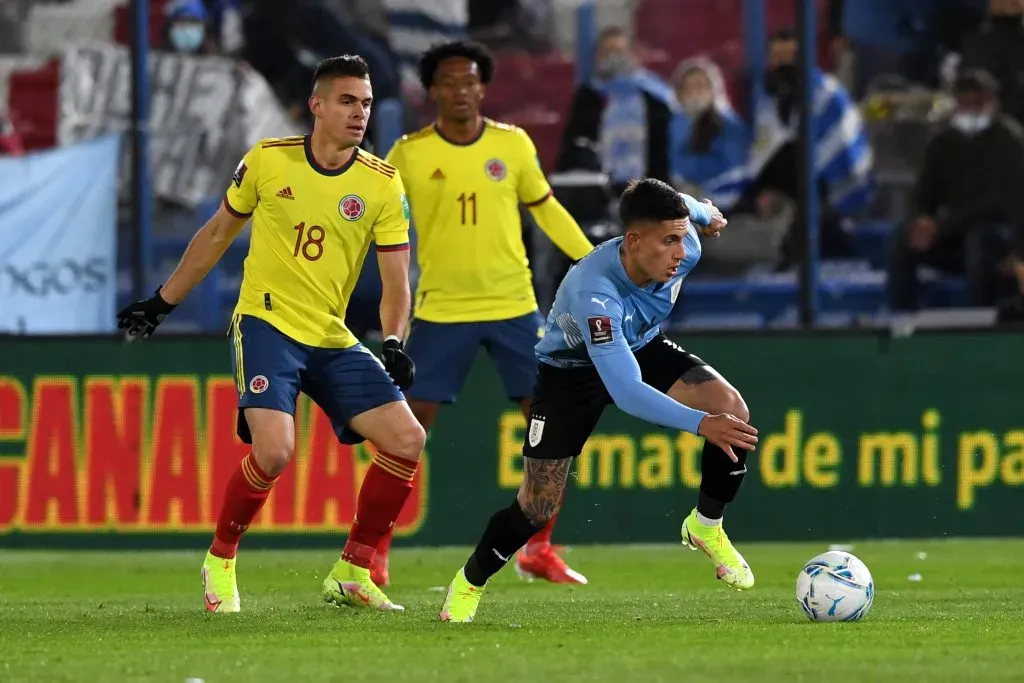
point(835, 586)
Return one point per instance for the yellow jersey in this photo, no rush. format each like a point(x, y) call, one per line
point(311, 230)
point(465, 209)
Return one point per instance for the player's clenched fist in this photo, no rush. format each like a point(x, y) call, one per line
point(398, 364)
point(139, 319)
point(726, 431)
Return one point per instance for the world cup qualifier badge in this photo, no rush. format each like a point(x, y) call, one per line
point(600, 329)
point(495, 169)
point(351, 207)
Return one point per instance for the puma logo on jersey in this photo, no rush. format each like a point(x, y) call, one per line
point(286, 193)
point(628, 317)
point(599, 301)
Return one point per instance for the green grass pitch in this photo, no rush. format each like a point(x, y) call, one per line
point(650, 613)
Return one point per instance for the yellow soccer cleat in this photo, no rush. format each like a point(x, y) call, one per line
point(351, 586)
point(730, 566)
point(220, 589)
point(462, 600)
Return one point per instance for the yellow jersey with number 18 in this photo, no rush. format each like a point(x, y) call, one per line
point(465, 209)
point(311, 230)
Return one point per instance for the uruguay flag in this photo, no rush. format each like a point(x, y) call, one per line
point(843, 157)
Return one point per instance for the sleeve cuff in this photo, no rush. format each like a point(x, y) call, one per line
point(393, 247)
point(233, 212)
point(540, 201)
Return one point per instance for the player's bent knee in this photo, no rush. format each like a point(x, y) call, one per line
point(737, 407)
point(409, 440)
point(272, 459)
point(728, 400)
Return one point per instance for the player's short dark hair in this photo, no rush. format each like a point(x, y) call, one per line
point(975, 81)
point(468, 49)
point(651, 200)
point(345, 66)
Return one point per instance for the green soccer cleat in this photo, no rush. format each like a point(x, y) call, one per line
point(462, 600)
point(349, 585)
point(730, 566)
point(220, 589)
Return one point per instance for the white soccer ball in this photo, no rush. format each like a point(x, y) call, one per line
point(835, 586)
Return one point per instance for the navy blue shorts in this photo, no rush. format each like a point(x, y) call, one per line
point(444, 352)
point(271, 369)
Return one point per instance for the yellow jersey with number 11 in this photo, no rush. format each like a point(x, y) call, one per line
point(311, 230)
point(465, 209)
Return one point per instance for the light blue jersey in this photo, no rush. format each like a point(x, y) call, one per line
point(600, 317)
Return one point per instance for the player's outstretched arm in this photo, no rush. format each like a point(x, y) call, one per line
point(701, 213)
point(395, 302)
point(535, 192)
point(141, 318)
point(561, 227)
point(395, 299)
point(205, 249)
point(599, 316)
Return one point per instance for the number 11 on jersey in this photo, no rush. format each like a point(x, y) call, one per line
point(465, 199)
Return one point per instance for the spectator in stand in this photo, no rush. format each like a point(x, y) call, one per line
point(709, 152)
point(185, 27)
point(1012, 309)
point(998, 47)
point(709, 144)
point(285, 41)
point(625, 111)
point(843, 154)
point(969, 198)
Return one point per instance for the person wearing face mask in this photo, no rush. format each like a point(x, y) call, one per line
point(844, 161)
point(708, 142)
point(968, 201)
point(998, 47)
point(186, 26)
point(623, 110)
point(709, 148)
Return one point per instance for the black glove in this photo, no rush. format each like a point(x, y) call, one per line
point(142, 317)
point(399, 366)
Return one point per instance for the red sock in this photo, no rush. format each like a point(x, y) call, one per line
point(542, 538)
point(384, 547)
point(245, 495)
point(387, 485)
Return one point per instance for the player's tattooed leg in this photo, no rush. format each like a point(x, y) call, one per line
point(543, 483)
point(699, 374)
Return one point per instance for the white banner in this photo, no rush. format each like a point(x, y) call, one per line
point(58, 247)
point(205, 113)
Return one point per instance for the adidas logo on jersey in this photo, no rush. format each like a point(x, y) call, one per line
point(438, 175)
point(286, 193)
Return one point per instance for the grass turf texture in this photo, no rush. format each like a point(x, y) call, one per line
point(650, 613)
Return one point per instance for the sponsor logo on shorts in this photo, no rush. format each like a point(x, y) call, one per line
point(536, 430)
point(259, 384)
point(351, 207)
point(600, 329)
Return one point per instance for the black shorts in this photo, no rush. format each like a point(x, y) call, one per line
point(568, 402)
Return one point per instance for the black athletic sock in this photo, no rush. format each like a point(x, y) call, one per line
point(720, 479)
point(506, 533)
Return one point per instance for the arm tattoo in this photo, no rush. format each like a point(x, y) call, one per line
point(699, 374)
point(541, 492)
